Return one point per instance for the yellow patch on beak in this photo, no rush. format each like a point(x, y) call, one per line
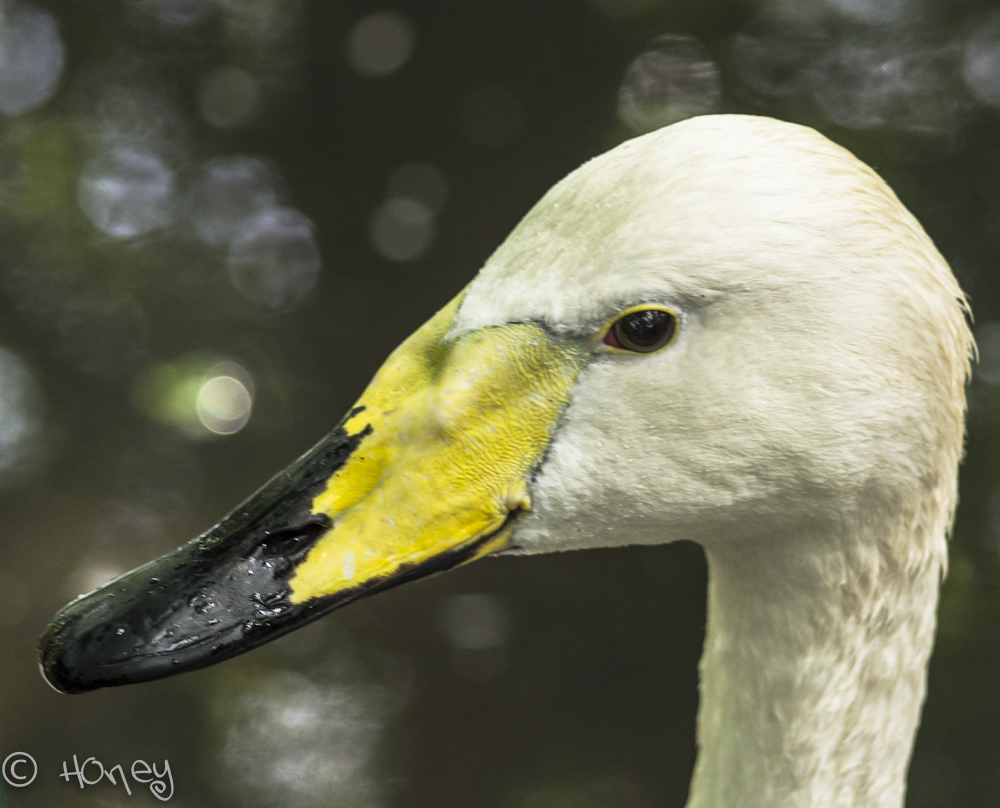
point(452, 432)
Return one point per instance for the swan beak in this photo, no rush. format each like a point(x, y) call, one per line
point(428, 471)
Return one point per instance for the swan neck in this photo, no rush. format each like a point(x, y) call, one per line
point(814, 671)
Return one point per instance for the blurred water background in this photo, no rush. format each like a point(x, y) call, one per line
point(216, 219)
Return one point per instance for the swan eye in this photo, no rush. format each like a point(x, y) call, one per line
point(642, 331)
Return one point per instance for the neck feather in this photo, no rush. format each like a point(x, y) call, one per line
point(814, 669)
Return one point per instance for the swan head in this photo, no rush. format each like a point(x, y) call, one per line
point(818, 366)
point(807, 371)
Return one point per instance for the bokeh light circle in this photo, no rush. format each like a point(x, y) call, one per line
point(223, 405)
point(31, 58)
point(198, 394)
point(402, 229)
point(673, 80)
point(475, 621)
point(274, 260)
point(226, 193)
point(294, 741)
point(380, 43)
point(871, 80)
point(126, 193)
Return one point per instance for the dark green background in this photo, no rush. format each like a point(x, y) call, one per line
point(594, 702)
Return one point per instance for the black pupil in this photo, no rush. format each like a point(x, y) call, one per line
point(645, 330)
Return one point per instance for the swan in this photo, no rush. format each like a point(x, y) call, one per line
point(728, 331)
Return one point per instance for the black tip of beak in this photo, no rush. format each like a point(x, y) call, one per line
point(186, 610)
point(211, 599)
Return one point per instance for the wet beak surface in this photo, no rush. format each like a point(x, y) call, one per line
point(429, 470)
